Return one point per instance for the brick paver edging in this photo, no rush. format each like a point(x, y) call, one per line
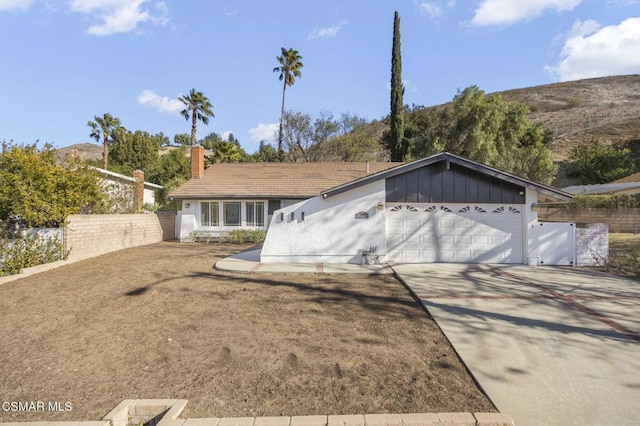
point(413, 419)
point(165, 412)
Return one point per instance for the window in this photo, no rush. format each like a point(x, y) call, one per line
point(231, 213)
point(254, 213)
point(209, 214)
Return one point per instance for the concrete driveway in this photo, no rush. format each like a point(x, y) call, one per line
point(549, 345)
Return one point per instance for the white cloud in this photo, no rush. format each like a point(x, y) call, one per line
point(15, 4)
point(594, 51)
point(507, 12)
point(431, 9)
point(161, 103)
point(328, 31)
point(119, 16)
point(434, 8)
point(264, 132)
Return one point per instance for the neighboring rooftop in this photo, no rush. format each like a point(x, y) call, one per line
point(123, 178)
point(274, 180)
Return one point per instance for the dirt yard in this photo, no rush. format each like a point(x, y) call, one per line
point(160, 322)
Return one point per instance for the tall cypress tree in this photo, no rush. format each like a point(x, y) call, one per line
point(396, 142)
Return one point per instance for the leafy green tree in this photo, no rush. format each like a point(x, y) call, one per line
point(103, 128)
point(182, 139)
point(226, 152)
point(483, 128)
point(597, 163)
point(349, 122)
point(424, 131)
point(395, 139)
point(327, 139)
point(357, 145)
point(197, 107)
point(164, 140)
point(232, 139)
point(289, 70)
point(298, 135)
point(135, 150)
point(172, 165)
point(38, 191)
point(209, 141)
point(265, 154)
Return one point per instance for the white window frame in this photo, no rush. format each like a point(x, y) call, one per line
point(225, 221)
point(214, 219)
point(259, 212)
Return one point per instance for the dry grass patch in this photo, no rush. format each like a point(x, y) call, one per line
point(159, 322)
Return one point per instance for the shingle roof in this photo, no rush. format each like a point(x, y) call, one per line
point(274, 180)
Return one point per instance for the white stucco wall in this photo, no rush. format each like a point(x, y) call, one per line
point(330, 231)
point(187, 220)
point(149, 196)
point(530, 223)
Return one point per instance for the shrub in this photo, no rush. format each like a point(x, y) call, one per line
point(597, 164)
point(240, 236)
point(38, 192)
point(27, 251)
point(534, 107)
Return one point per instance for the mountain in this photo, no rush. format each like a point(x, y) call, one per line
point(85, 151)
point(606, 109)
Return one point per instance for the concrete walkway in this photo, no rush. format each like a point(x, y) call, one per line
point(249, 261)
point(549, 345)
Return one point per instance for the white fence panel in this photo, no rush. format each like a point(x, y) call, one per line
point(553, 243)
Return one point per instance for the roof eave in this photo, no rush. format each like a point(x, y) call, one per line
point(240, 197)
point(553, 193)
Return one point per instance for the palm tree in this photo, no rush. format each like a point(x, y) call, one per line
point(198, 107)
point(225, 152)
point(289, 69)
point(104, 126)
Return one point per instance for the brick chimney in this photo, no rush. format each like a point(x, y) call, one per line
point(197, 161)
point(138, 190)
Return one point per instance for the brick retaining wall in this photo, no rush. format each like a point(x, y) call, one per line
point(92, 235)
point(619, 220)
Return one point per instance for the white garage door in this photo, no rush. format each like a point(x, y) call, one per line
point(460, 233)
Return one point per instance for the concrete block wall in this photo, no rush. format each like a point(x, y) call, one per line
point(619, 220)
point(592, 244)
point(92, 235)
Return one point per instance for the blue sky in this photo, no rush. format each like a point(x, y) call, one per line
point(65, 61)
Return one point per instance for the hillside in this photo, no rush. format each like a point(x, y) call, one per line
point(84, 151)
point(604, 109)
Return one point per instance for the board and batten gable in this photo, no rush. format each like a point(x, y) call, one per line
point(447, 182)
